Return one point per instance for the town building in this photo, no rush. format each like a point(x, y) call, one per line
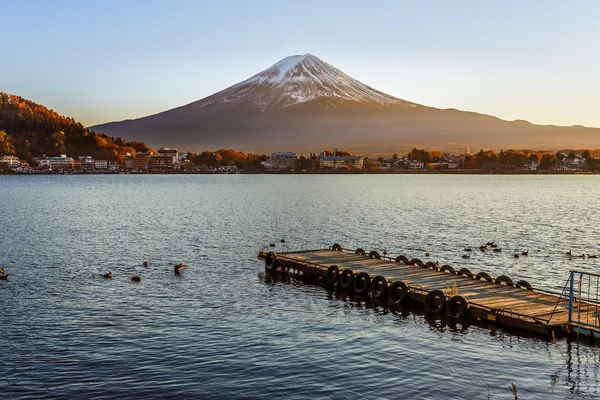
point(282, 160)
point(340, 161)
point(141, 160)
point(414, 164)
point(56, 163)
point(11, 162)
point(129, 161)
point(87, 163)
point(160, 162)
point(101, 165)
point(169, 152)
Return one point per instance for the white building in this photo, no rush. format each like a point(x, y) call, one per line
point(56, 163)
point(414, 164)
point(11, 162)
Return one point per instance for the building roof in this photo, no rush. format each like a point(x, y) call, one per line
point(284, 154)
point(340, 158)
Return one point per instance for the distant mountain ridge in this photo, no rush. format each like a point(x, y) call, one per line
point(302, 103)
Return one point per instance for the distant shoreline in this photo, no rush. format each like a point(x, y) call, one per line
point(358, 172)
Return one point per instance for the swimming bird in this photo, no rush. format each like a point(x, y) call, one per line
point(4, 277)
point(497, 250)
point(466, 256)
point(108, 275)
point(492, 244)
point(594, 256)
point(516, 255)
point(145, 263)
point(427, 254)
point(1, 270)
point(569, 253)
point(467, 249)
point(482, 248)
point(178, 267)
point(136, 279)
point(525, 253)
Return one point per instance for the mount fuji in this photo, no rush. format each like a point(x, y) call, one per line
point(303, 104)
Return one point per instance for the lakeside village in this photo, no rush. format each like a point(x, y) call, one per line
point(168, 160)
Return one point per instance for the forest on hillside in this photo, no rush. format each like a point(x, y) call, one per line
point(29, 130)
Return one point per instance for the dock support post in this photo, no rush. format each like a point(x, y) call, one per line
point(571, 298)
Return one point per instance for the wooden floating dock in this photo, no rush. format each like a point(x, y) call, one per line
point(440, 289)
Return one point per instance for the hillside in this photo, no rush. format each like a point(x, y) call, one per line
point(28, 130)
point(304, 104)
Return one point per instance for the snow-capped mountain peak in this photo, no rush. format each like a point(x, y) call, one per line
point(298, 79)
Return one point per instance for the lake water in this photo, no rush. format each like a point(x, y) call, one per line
point(222, 330)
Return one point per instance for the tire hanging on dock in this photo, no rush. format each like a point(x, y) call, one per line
point(504, 279)
point(431, 265)
point(336, 247)
point(360, 252)
point(379, 287)
point(402, 259)
point(332, 275)
point(447, 268)
point(271, 261)
point(457, 307)
point(416, 261)
point(484, 275)
point(362, 283)
point(465, 271)
point(374, 254)
point(524, 285)
point(346, 278)
point(435, 301)
point(398, 292)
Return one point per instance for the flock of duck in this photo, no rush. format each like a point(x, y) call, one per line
point(109, 275)
point(177, 269)
point(495, 248)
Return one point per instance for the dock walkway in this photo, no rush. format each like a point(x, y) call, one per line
point(438, 288)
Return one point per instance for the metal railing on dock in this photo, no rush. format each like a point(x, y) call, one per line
point(584, 303)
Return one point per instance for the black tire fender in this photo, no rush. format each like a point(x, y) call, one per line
point(435, 301)
point(524, 284)
point(332, 275)
point(457, 307)
point(466, 271)
point(447, 268)
point(504, 279)
point(374, 254)
point(336, 247)
point(398, 292)
point(271, 261)
point(416, 261)
point(360, 252)
point(484, 275)
point(402, 259)
point(346, 278)
point(379, 287)
point(362, 283)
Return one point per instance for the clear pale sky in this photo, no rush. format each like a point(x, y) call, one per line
point(100, 61)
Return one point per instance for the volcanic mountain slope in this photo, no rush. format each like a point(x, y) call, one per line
point(304, 104)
